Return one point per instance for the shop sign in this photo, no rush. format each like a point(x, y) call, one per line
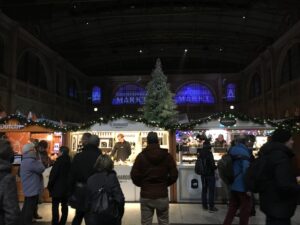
point(11, 127)
point(227, 122)
point(119, 124)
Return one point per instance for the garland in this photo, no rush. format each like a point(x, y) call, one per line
point(292, 124)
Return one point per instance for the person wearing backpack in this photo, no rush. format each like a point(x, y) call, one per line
point(106, 178)
point(9, 205)
point(279, 200)
point(208, 178)
point(240, 198)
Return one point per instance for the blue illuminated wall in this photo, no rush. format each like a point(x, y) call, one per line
point(129, 94)
point(194, 93)
point(231, 92)
point(96, 95)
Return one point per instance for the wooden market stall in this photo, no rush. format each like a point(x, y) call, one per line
point(20, 134)
point(189, 187)
point(135, 133)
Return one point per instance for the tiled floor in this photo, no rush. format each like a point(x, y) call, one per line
point(179, 214)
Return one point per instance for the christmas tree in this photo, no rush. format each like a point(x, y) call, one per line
point(159, 105)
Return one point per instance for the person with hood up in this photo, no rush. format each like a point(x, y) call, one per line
point(154, 170)
point(279, 200)
point(31, 171)
point(9, 205)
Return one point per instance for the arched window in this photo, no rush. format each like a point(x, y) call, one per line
point(30, 69)
point(230, 92)
point(96, 95)
point(291, 65)
point(129, 94)
point(72, 89)
point(255, 86)
point(1, 55)
point(194, 93)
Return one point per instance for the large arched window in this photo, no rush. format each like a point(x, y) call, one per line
point(129, 94)
point(255, 86)
point(30, 69)
point(291, 64)
point(1, 55)
point(72, 88)
point(194, 93)
point(96, 95)
point(230, 92)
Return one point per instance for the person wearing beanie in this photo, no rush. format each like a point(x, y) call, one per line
point(9, 205)
point(154, 170)
point(31, 171)
point(279, 200)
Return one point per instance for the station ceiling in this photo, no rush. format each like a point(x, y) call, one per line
point(124, 37)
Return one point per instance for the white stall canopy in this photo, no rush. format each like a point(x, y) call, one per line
point(121, 125)
point(239, 125)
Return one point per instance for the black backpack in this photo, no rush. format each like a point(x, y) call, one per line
point(201, 166)
point(101, 202)
point(225, 167)
point(257, 176)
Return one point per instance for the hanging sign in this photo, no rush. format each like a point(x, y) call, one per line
point(11, 126)
point(227, 121)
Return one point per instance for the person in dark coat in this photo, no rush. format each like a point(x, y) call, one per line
point(279, 201)
point(154, 170)
point(58, 186)
point(104, 177)
point(208, 179)
point(122, 149)
point(82, 168)
point(9, 205)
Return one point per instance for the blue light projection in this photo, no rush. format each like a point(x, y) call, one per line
point(129, 94)
point(96, 95)
point(194, 93)
point(230, 92)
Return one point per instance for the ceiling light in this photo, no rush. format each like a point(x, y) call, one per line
point(185, 50)
point(87, 23)
point(244, 17)
point(95, 109)
point(221, 49)
point(141, 51)
point(231, 107)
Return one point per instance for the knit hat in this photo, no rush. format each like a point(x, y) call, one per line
point(152, 138)
point(281, 136)
point(26, 148)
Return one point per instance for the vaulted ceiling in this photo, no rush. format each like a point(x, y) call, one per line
point(124, 37)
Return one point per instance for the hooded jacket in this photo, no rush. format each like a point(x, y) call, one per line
point(9, 211)
point(31, 171)
point(154, 170)
point(280, 198)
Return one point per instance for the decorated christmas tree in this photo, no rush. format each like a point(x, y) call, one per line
point(159, 106)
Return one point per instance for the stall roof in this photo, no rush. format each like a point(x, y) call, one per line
point(123, 125)
point(240, 125)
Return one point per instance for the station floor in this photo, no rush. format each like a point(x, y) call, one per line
point(180, 214)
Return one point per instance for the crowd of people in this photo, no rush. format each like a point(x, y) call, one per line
point(74, 181)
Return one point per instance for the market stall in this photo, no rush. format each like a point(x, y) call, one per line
point(20, 134)
point(135, 133)
point(189, 185)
